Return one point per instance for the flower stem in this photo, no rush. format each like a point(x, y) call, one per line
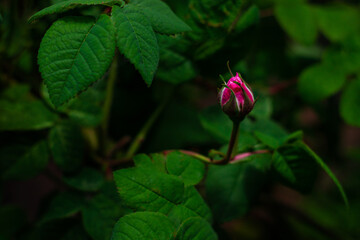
point(232, 144)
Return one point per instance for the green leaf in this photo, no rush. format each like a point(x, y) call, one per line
point(195, 228)
point(146, 190)
point(231, 188)
point(248, 18)
point(332, 19)
point(12, 219)
point(328, 171)
point(143, 225)
point(100, 216)
point(174, 67)
point(267, 140)
point(70, 4)
point(25, 115)
point(194, 202)
point(30, 164)
point(217, 123)
point(349, 59)
point(87, 110)
point(156, 161)
point(136, 40)
point(296, 167)
point(320, 81)
point(62, 206)
point(74, 53)
point(16, 93)
point(162, 19)
point(350, 103)
point(297, 19)
point(67, 146)
point(188, 168)
point(88, 179)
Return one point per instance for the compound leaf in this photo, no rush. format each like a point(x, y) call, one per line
point(68, 5)
point(136, 40)
point(143, 225)
point(162, 19)
point(74, 53)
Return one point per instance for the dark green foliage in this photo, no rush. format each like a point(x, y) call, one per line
point(72, 127)
point(240, 184)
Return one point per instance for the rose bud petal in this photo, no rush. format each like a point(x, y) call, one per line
point(236, 98)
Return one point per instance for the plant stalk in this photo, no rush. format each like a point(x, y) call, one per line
point(232, 144)
point(135, 145)
point(108, 102)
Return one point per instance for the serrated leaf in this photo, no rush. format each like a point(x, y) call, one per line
point(146, 190)
point(320, 81)
point(25, 115)
point(231, 188)
point(88, 179)
point(143, 225)
point(195, 228)
point(30, 164)
point(194, 201)
point(162, 19)
point(174, 67)
point(100, 216)
point(74, 53)
point(267, 140)
point(297, 18)
point(62, 206)
point(188, 168)
point(350, 103)
point(136, 40)
point(295, 166)
point(67, 146)
point(70, 4)
point(156, 161)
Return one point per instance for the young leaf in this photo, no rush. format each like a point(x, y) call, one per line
point(74, 53)
point(70, 4)
point(67, 146)
point(162, 19)
point(25, 115)
point(136, 40)
point(195, 228)
point(143, 225)
point(188, 168)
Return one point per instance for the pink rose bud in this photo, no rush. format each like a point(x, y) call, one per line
point(236, 98)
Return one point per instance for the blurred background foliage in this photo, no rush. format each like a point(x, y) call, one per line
point(302, 59)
